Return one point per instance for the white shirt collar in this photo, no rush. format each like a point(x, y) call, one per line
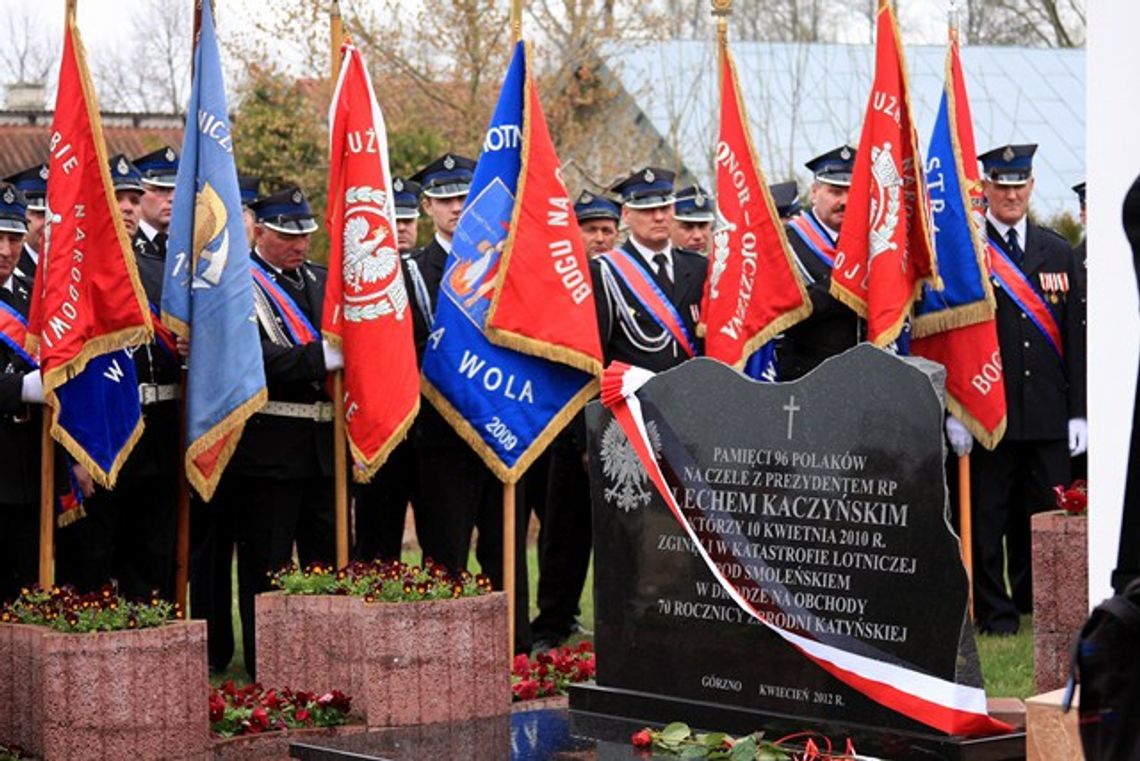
point(267, 263)
point(33, 254)
point(1003, 229)
point(148, 230)
point(444, 243)
point(833, 234)
point(647, 254)
point(9, 284)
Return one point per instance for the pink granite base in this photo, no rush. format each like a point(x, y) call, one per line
point(402, 663)
point(112, 695)
point(274, 746)
point(1051, 734)
point(1060, 593)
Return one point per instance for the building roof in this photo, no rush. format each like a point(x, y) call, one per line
point(806, 98)
point(24, 137)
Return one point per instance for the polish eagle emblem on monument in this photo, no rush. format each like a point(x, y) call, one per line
point(629, 483)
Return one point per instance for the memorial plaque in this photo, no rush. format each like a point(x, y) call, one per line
point(823, 504)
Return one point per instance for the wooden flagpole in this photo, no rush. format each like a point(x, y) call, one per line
point(965, 525)
point(46, 572)
point(340, 455)
point(510, 509)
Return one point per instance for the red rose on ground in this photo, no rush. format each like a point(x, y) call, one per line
point(641, 739)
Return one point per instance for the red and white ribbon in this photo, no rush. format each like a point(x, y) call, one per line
point(949, 707)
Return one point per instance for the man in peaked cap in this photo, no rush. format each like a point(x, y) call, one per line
point(693, 215)
point(631, 328)
point(129, 190)
point(248, 187)
point(32, 183)
point(1033, 273)
point(279, 485)
point(21, 394)
point(598, 219)
point(832, 326)
point(786, 196)
point(406, 195)
point(159, 171)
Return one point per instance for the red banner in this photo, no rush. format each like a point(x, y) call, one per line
point(753, 291)
point(366, 309)
point(544, 301)
point(87, 301)
point(885, 252)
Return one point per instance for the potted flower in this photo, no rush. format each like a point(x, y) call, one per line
point(96, 677)
point(412, 645)
point(1060, 583)
point(549, 674)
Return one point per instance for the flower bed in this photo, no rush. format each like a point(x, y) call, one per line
point(251, 710)
point(549, 674)
point(73, 686)
point(412, 646)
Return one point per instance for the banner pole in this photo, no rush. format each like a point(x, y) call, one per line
point(47, 498)
point(721, 10)
point(965, 527)
point(340, 454)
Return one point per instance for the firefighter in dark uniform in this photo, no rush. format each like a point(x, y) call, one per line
point(564, 536)
point(279, 485)
point(629, 333)
point(832, 327)
point(456, 492)
point(32, 182)
point(693, 215)
point(786, 196)
point(129, 532)
point(1080, 463)
point(1044, 390)
point(21, 394)
point(380, 506)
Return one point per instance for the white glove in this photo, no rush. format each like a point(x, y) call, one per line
point(961, 440)
point(33, 388)
point(334, 359)
point(1078, 436)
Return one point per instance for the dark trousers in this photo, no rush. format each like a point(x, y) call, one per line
point(212, 540)
point(19, 548)
point(128, 535)
point(458, 493)
point(564, 540)
point(380, 506)
point(270, 515)
point(1009, 485)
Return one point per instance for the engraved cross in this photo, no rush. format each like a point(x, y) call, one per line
point(791, 407)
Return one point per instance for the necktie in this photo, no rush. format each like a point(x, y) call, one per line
point(661, 263)
point(160, 244)
point(1015, 251)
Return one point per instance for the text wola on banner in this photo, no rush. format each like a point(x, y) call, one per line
point(514, 253)
point(88, 305)
point(207, 294)
point(885, 254)
point(956, 326)
point(366, 307)
point(753, 291)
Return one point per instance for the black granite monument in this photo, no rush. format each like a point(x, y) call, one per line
point(823, 503)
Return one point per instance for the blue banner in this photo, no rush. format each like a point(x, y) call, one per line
point(99, 408)
point(506, 404)
point(959, 258)
point(207, 294)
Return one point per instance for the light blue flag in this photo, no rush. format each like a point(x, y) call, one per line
point(207, 294)
point(506, 404)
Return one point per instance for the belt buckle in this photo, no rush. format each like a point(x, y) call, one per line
point(323, 412)
point(148, 393)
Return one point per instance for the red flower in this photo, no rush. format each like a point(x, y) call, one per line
point(641, 739)
point(521, 665)
point(259, 719)
point(217, 706)
point(1075, 499)
point(527, 689)
point(301, 715)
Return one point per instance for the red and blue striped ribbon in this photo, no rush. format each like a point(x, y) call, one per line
point(814, 237)
point(300, 328)
point(651, 297)
point(163, 336)
point(1021, 290)
point(14, 332)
